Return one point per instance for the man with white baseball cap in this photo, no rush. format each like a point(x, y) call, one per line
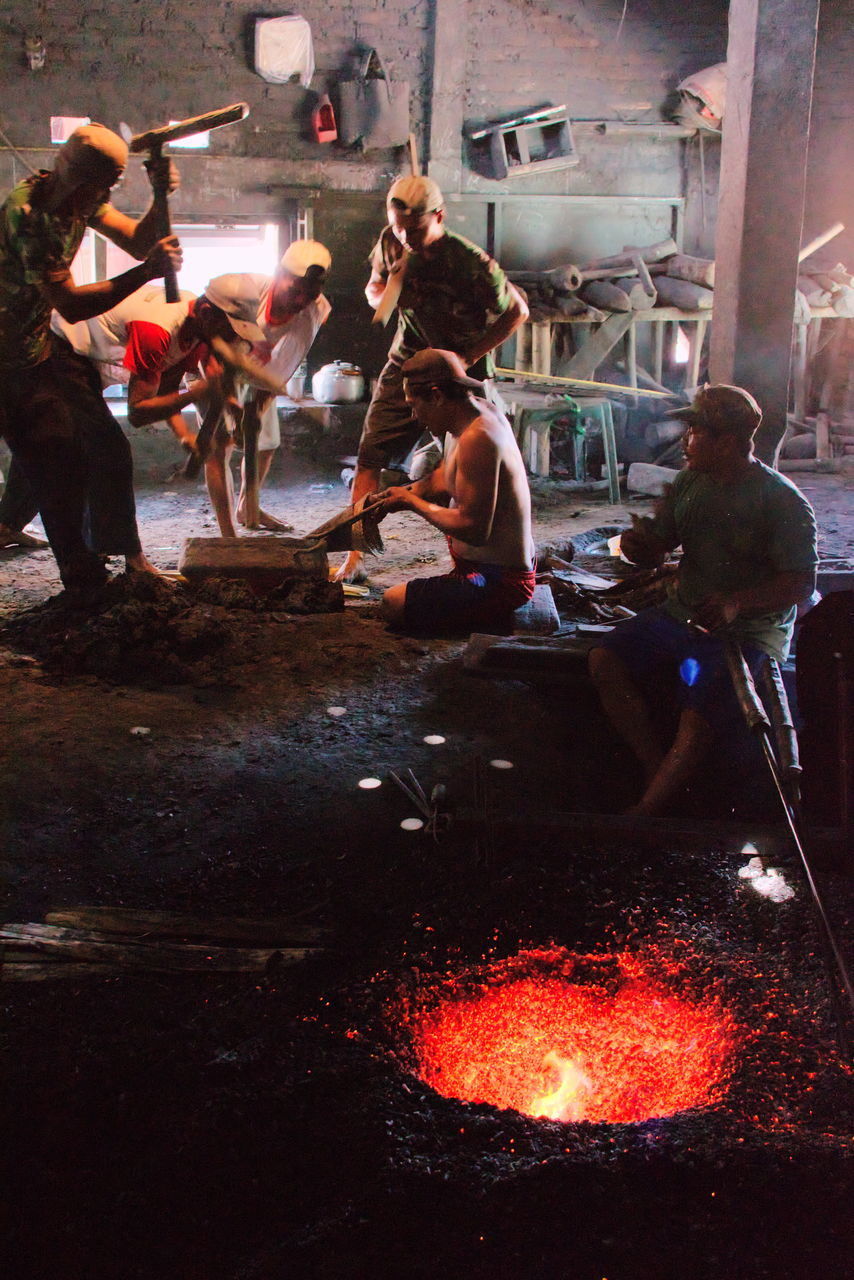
point(449, 295)
point(279, 316)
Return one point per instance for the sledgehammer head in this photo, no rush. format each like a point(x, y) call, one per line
point(185, 128)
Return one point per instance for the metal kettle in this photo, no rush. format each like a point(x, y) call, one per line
point(338, 383)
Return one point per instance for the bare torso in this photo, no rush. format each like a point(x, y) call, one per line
point(510, 542)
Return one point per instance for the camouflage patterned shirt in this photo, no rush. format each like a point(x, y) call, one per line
point(36, 248)
point(449, 297)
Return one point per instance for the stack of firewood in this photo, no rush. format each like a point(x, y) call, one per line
point(623, 282)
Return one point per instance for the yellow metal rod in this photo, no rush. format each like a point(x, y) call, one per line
point(583, 382)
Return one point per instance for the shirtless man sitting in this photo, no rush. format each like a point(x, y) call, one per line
point(478, 497)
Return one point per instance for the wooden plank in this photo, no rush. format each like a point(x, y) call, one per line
point(587, 359)
point(273, 931)
point(765, 131)
point(541, 347)
point(80, 944)
point(18, 971)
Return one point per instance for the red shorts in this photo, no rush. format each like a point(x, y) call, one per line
point(472, 597)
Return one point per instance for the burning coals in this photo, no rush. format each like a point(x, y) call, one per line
point(563, 1037)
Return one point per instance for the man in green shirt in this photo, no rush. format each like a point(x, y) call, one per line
point(748, 538)
point(63, 437)
point(449, 295)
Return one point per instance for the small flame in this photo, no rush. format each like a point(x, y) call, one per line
point(568, 1099)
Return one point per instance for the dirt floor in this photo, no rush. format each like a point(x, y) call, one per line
point(175, 1126)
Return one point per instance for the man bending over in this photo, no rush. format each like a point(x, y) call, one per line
point(478, 497)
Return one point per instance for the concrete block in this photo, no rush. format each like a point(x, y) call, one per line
point(645, 477)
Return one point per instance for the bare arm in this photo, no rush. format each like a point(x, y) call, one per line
point(781, 592)
point(501, 329)
point(148, 401)
point(475, 493)
point(376, 286)
point(139, 236)
point(82, 302)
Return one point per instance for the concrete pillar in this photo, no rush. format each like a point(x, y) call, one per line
point(444, 158)
point(770, 61)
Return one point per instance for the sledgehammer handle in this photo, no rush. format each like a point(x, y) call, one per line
point(164, 222)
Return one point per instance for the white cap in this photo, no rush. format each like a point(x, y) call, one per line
point(237, 295)
point(302, 254)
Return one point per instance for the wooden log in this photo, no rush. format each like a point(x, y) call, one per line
point(683, 294)
point(696, 270)
point(650, 253)
point(640, 299)
point(604, 294)
point(273, 931)
point(564, 279)
point(629, 269)
point(570, 304)
point(39, 971)
point(82, 944)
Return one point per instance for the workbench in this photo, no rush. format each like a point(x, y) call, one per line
point(597, 339)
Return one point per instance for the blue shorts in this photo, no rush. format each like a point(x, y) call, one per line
point(666, 658)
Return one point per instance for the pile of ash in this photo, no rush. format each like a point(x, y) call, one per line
point(145, 629)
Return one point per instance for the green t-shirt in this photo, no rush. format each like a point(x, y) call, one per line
point(449, 297)
point(36, 248)
point(736, 536)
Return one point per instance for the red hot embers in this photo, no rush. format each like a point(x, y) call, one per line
point(555, 1036)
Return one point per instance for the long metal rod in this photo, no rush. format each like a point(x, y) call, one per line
point(757, 721)
point(524, 375)
point(816, 896)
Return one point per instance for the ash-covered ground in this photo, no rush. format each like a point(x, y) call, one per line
point(263, 1126)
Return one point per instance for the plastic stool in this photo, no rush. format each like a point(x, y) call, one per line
point(598, 408)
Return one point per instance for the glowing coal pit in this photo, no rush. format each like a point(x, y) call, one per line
point(551, 1048)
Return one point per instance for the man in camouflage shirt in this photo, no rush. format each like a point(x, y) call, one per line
point(63, 437)
point(449, 295)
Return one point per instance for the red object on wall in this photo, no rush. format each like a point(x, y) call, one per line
point(323, 121)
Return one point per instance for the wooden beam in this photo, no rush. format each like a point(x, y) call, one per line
point(770, 60)
point(445, 152)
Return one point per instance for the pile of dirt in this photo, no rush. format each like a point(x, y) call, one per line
point(145, 629)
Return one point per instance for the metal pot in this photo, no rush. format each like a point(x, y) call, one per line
point(338, 383)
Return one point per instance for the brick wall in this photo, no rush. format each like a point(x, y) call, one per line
point(147, 64)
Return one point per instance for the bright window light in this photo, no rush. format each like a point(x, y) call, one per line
point(62, 127)
point(683, 347)
point(195, 142)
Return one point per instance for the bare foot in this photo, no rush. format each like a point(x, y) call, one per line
point(140, 563)
point(17, 538)
point(352, 570)
point(266, 521)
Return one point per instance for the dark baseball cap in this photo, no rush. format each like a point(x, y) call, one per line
point(720, 409)
point(433, 367)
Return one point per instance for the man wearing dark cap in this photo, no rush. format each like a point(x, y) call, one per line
point(63, 437)
point(478, 497)
point(449, 295)
point(748, 539)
